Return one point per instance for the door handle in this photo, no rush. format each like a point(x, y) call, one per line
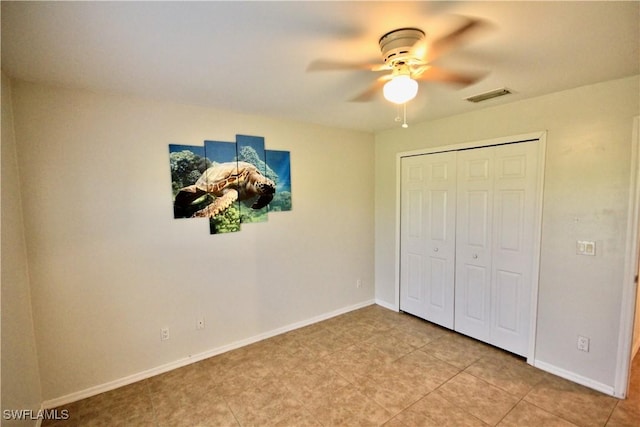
point(475, 256)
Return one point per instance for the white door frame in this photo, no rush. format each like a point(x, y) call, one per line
point(629, 290)
point(542, 141)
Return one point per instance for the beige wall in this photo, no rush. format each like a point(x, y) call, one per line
point(20, 375)
point(636, 325)
point(110, 266)
point(586, 196)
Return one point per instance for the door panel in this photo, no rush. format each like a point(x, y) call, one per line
point(475, 294)
point(515, 201)
point(438, 282)
point(510, 219)
point(473, 242)
point(508, 287)
point(414, 219)
point(438, 217)
point(477, 217)
point(414, 268)
point(427, 230)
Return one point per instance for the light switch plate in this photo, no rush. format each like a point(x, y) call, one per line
point(586, 247)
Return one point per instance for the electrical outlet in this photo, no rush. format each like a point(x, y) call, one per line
point(200, 322)
point(583, 343)
point(359, 283)
point(164, 334)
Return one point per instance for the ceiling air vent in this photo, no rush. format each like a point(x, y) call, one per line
point(488, 95)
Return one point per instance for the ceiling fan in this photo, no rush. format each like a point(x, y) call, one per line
point(409, 57)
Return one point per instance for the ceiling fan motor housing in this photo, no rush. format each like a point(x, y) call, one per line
point(396, 45)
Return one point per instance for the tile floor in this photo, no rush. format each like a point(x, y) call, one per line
point(368, 367)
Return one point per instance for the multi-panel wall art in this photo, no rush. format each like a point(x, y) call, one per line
point(229, 182)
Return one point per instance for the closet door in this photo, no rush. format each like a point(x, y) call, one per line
point(427, 236)
point(473, 243)
point(515, 201)
point(497, 199)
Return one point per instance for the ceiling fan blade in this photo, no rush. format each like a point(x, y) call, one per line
point(330, 65)
point(374, 90)
point(461, 35)
point(431, 73)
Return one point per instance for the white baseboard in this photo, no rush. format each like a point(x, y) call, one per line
point(101, 388)
point(386, 305)
point(572, 376)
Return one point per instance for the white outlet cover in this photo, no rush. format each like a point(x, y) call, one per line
point(583, 343)
point(586, 247)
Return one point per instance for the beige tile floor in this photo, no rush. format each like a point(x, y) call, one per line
point(368, 367)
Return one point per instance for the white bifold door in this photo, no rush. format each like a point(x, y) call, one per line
point(467, 241)
point(428, 220)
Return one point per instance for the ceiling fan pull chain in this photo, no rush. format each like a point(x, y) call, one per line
point(404, 124)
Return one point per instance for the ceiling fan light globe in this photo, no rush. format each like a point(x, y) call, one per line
point(400, 89)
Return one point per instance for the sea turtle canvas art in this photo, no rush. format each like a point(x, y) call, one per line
point(229, 183)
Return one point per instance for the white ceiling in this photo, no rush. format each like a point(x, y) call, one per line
point(252, 57)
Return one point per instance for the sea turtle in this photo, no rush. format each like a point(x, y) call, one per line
point(227, 182)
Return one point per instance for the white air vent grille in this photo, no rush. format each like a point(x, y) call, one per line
point(488, 95)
